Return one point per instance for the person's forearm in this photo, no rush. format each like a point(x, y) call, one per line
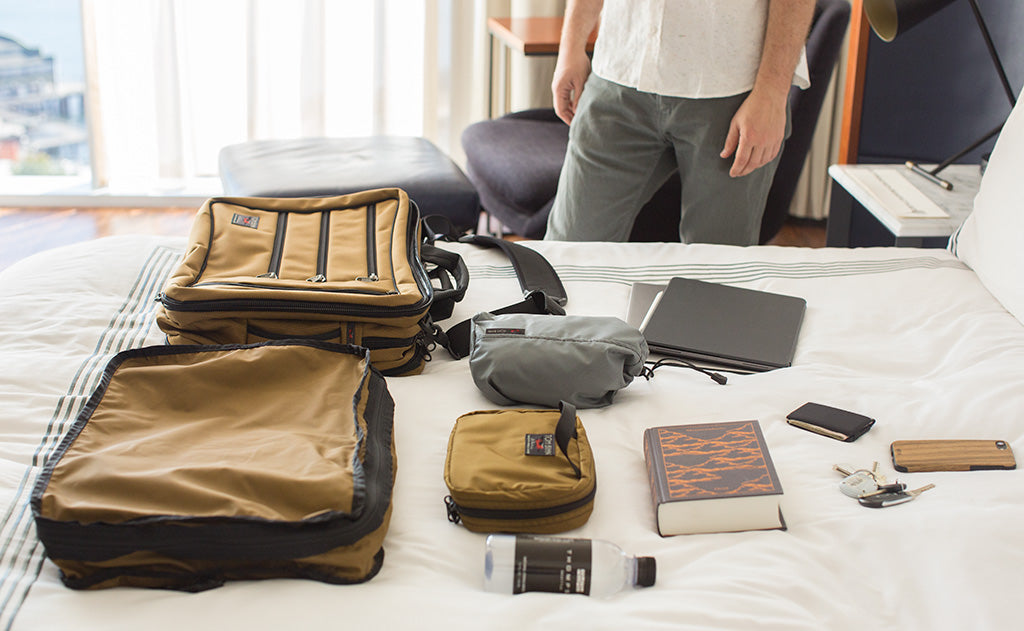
point(785, 35)
point(758, 128)
point(573, 65)
point(581, 18)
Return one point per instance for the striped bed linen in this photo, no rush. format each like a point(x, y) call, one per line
point(909, 337)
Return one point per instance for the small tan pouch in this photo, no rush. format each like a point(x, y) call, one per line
point(519, 470)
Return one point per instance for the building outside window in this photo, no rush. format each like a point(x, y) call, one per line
point(43, 128)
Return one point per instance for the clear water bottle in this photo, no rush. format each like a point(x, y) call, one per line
point(514, 564)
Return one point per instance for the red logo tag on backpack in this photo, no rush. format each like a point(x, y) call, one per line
point(246, 221)
point(540, 444)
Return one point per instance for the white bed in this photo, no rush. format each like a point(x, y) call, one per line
point(913, 338)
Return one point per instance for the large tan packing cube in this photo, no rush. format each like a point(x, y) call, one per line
point(343, 269)
point(193, 465)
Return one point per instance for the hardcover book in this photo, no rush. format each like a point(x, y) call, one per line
point(712, 477)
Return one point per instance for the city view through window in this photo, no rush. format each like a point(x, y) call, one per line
point(164, 86)
point(43, 128)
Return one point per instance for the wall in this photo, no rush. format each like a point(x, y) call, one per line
point(934, 90)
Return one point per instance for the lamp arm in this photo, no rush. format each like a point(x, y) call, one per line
point(953, 158)
point(993, 54)
point(933, 173)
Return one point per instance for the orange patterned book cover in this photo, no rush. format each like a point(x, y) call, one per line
point(712, 477)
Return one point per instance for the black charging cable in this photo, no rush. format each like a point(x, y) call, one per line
point(651, 366)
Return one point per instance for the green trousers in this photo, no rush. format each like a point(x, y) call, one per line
point(624, 145)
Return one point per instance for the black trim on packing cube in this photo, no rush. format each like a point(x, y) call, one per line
point(215, 577)
point(229, 538)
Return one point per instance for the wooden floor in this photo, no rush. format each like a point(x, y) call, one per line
point(26, 231)
point(801, 233)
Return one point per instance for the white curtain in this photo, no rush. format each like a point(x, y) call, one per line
point(814, 187)
point(170, 82)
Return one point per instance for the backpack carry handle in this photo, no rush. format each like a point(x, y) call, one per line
point(451, 272)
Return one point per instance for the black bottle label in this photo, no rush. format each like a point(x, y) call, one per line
point(552, 564)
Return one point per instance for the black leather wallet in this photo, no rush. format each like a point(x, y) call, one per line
point(829, 421)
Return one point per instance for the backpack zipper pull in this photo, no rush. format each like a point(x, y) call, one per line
point(453, 509)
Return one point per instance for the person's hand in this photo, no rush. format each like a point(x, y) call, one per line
point(755, 133)
point(571, 72)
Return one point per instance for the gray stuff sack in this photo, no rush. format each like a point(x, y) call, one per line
point(544, 359)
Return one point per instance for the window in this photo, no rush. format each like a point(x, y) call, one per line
point(177, 80)
point(42, 89)
point(151, 90)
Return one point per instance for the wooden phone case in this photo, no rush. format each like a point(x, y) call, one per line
point(951, 455)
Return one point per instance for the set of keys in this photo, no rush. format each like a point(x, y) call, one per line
point(871, 489)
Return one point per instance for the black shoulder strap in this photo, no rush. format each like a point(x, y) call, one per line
point(533, 270)
point(543, 292)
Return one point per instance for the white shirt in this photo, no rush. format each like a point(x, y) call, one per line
point(687, 48)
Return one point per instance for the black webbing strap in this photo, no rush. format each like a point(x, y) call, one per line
point(532, 269)
point(565, 431)
point(543, 292)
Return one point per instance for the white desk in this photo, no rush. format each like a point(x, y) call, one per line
point(856, 184)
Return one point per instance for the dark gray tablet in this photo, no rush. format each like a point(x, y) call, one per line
point(727, 326)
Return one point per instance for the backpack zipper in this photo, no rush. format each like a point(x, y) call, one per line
point(308, 306)
point(371, 245)
point(275, 254)
point(420, 354)
point(321, 252)
point(295, 306)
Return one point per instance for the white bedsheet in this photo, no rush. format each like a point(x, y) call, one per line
point(909, 337)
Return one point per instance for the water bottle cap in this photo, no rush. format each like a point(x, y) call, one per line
point(646, 568)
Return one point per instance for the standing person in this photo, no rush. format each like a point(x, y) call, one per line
point(698, 84)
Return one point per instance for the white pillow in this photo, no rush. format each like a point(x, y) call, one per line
point(991, 240)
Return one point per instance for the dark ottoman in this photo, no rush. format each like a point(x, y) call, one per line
point(316, 167)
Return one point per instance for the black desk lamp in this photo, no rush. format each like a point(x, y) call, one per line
point(890, 18)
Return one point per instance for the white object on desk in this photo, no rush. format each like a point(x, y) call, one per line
point(863, 183)
point(898, 195)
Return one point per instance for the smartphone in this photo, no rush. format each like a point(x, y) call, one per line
point(951, 455)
